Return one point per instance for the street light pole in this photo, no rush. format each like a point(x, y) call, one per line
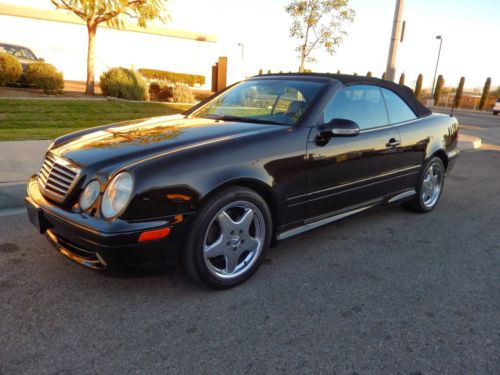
point(440, 37)
point(242, 49)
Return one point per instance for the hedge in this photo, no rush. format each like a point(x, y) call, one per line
point(188, 79)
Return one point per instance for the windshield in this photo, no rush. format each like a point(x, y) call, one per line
point(19, 52)
point(274, 101)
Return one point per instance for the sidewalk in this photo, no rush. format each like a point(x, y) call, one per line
point(18, 161)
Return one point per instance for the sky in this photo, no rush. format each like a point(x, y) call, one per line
point(470, 32)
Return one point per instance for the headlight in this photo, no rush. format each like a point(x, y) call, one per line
point(89, 195)
point(117, 195)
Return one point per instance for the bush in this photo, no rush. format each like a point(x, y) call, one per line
point(188, 79)
point(10, 69)
point(124, 83)
point(165, 91)
point(182, 94)
point(46, 77)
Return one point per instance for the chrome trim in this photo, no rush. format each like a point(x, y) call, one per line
point(402, 195)
point(319, 223)
point(57, 177)
point(87, 262)
point(356, 182)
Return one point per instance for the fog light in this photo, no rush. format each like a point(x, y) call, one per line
point(152, 235)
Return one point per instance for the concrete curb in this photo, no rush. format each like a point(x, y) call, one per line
point(468, 142)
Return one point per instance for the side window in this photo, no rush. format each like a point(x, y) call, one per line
point(363, 104)
point(397, 108)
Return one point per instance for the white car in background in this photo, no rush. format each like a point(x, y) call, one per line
point(496, 107)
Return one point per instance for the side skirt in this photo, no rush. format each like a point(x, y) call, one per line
point(341, 215)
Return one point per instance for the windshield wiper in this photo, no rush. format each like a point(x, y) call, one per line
point(246, 119)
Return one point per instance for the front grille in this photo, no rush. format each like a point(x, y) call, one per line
point(57, 177)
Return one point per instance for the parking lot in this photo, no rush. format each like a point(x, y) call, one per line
point(387, 292)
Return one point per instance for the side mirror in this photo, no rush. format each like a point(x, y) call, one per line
point(41, 59)
point(340, 127)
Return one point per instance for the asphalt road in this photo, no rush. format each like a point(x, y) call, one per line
point(384, 293)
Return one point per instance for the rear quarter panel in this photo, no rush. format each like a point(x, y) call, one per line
point(423, 138)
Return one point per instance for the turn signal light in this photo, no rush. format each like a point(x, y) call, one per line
point(152, 235)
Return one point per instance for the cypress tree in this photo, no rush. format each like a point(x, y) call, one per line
point(438, 89)
point(402, 79)
point(355, 74)
point(485, 94)
point(338, 72)
point(459, 92)
point(260, 72)
point(418, 87)
point(269, 71)
point(369, 74)
point(383, 76)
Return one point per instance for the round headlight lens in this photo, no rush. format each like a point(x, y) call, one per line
point(89, 195)
point(117, 195)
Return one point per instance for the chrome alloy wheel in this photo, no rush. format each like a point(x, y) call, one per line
point(432, 185)
point(234, 239)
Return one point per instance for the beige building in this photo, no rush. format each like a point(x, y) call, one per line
point(60, 38)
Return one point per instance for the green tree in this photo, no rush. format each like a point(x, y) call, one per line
point(355, 74)
point(268, 71)
point(402, 79)
point(459, 93)
point(418, 87)
point(112, 12)
point(485, 94)
point(338, 71)
point(383, 76)
point(438, 89)
point(318, 23)
point(260, 72)
point(369, 74)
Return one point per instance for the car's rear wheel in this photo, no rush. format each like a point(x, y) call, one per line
point(430, 186)
point(228, 238)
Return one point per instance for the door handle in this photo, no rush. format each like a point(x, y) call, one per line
point(393, 143)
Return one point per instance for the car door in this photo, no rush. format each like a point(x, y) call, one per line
point(349, 172)
point(413, 144)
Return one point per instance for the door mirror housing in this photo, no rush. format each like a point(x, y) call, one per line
point(41, 59)
point(340, 127)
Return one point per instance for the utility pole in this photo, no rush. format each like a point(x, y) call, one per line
point(390, 70)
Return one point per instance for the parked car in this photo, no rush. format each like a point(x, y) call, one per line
point(496, 107)
point(23, 54)
point(267, 159)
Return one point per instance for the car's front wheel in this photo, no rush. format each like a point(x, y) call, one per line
point(430, 186)
point(228, 238)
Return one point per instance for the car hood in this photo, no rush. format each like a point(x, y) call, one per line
point(123, 143)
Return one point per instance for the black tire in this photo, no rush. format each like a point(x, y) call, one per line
point(417, 204)
point(193, 255)
point(495, 113)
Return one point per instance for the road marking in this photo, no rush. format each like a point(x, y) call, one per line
point(12, 211)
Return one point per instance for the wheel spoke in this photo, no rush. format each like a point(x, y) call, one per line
point(250, 244)
point(216, 249)
point(226, 223)
point(246, 220)
point(232, 261)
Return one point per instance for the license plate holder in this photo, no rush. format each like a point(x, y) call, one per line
point(35, 216)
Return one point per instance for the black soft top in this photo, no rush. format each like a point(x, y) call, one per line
point(402, 91)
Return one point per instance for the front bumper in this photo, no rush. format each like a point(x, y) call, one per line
point(97, 243)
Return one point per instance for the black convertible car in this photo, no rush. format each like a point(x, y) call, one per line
point(266, 159)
